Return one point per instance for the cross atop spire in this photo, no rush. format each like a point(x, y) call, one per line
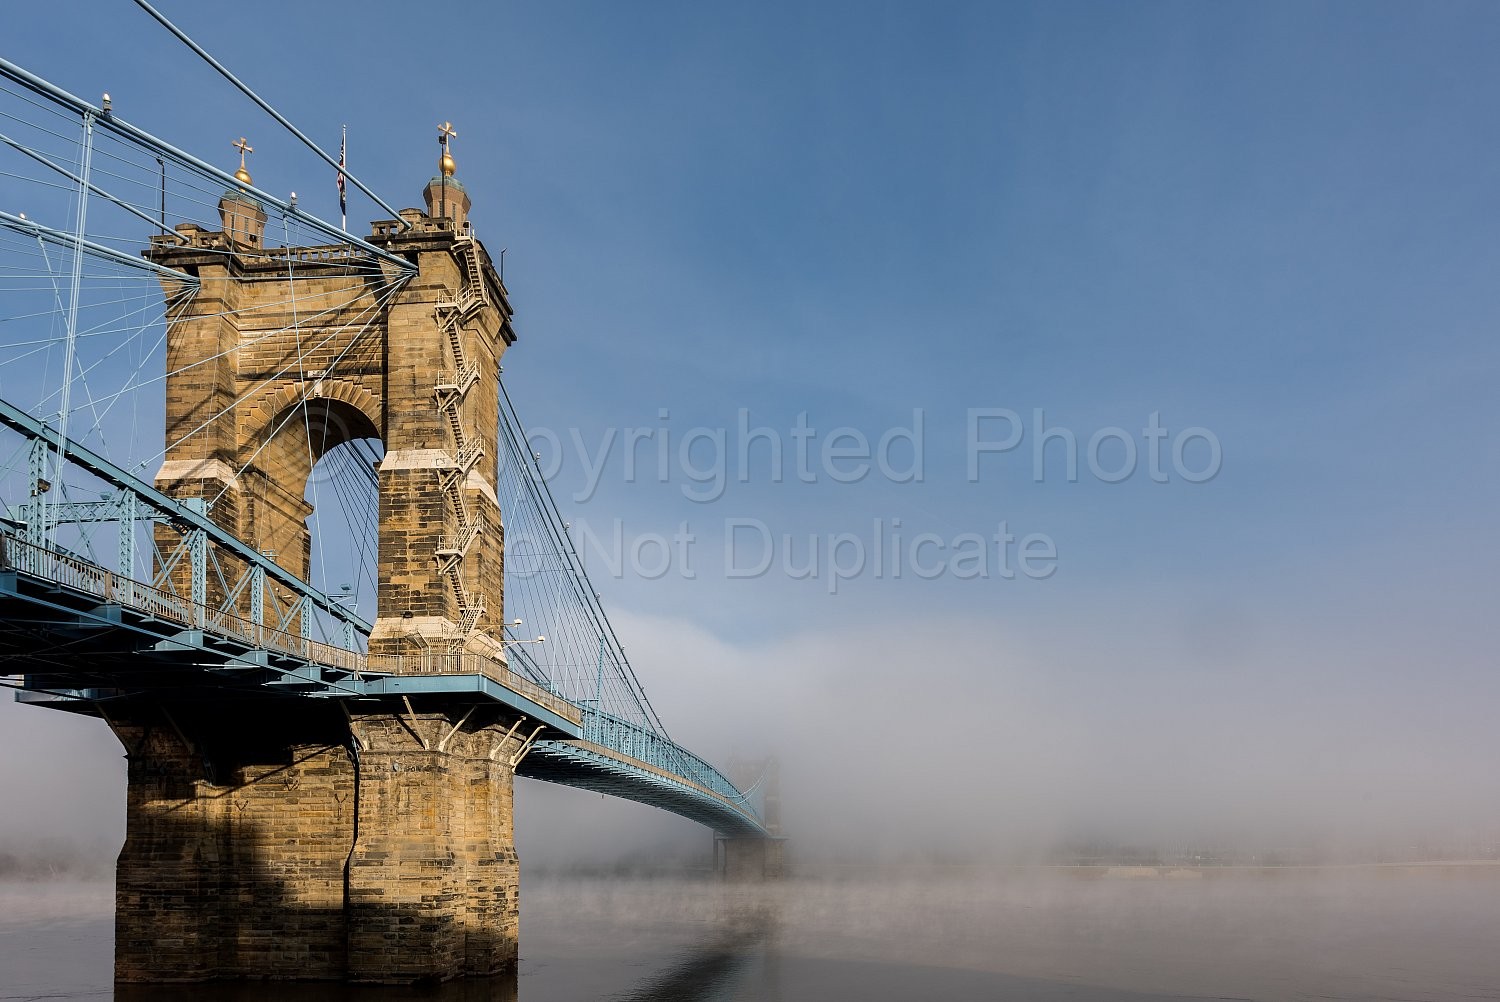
point(244, 147)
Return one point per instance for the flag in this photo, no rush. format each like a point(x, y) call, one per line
point(343, 197)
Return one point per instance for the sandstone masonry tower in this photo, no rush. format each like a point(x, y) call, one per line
point(300, 838)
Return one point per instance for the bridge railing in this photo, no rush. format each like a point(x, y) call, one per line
point(434, 663)
point(621, 736)
point(71, 571)
point(660, 752)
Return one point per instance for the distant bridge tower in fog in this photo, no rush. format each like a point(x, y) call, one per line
point(756, 857)
point(312, 794)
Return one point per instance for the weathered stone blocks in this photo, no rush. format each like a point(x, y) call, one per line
point(378, 849)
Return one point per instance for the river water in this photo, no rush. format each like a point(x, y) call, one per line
point(1368, 933)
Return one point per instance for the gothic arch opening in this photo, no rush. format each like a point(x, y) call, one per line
point(344, 494)
point(305, 479)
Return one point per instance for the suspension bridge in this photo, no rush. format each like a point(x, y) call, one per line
point(259, 474)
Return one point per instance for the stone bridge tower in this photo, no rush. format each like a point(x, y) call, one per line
point(287, 353)
point(371, 840)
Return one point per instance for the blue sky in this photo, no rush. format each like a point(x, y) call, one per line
point(1276, 222)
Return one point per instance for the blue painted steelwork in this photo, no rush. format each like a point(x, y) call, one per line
point(149, 631)
point(71, 241)
point(658, 752)
point(175, 511)
point(144, 140)
point(477, 683)
point(593, 767)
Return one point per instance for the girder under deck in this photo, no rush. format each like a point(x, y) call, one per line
point(80, 651)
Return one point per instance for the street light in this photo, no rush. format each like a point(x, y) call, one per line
point(506, 641)
point(539, 640)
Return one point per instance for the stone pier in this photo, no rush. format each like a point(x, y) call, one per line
point(750, 860)
point(296, 843)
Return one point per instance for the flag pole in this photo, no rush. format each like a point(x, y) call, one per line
point(343, 202)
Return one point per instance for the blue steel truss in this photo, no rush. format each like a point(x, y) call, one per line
point(87, 636)
point(191, 519)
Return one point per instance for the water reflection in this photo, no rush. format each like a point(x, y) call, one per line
point(723, 963)
point(1085, 936)
point(500, 988)
point(735, 957)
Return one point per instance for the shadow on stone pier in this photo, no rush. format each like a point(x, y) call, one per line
point(296, 853)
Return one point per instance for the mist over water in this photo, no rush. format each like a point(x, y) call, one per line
point(1097, 934)
point(964, 739)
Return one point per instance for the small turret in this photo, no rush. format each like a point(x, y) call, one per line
point(445, 193)
point(243, 219)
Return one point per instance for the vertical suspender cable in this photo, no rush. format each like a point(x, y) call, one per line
point(74, 291)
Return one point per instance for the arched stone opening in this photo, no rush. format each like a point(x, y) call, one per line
point(344, 494)
point(279, 494)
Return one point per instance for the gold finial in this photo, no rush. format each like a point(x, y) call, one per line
point(445, 162)
point(242, 175)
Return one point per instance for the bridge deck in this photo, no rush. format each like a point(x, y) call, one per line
point(83, 635)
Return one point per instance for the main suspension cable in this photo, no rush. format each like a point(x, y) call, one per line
point(266, 107)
